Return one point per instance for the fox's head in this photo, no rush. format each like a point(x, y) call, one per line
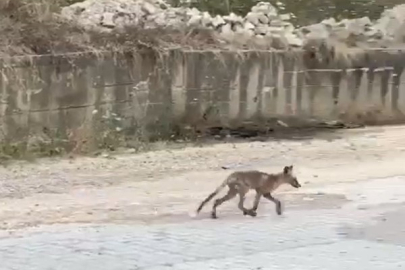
point(288, 177)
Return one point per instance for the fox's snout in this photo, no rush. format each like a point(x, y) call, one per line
point(296, 184)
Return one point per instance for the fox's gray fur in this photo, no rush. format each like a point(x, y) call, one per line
point(241, 182)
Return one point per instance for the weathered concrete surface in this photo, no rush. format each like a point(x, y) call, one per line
point(302, 239)
point(358, 232)
point(132, 211)
point(78, 95)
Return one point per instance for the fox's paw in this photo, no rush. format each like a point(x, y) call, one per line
point(279, 209)
point(250, 212)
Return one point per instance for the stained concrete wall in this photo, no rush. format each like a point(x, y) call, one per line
point(66, 92)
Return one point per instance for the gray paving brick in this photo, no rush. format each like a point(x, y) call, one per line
point(302, 239)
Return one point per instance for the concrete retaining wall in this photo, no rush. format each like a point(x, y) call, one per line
point(67, 92)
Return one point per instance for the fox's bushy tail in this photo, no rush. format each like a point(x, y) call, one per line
point(212, 195)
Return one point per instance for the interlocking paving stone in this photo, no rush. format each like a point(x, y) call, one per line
point(300, 239)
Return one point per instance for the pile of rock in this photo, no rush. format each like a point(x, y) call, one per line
point(105, 15)
point(263, 25)
point(391, 25)
point(387, 30)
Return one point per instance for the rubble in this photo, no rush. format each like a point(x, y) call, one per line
point(263, 26)
point(386, 31)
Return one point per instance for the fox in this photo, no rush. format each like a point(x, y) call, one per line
point(240, 182)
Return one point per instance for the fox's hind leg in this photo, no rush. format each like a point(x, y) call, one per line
point(230, 195)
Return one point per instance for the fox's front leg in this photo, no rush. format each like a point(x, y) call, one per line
point(277, 202)
point(256, 202)
point(245, 211)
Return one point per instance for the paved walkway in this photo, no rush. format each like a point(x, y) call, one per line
point(132, 211)
point(363, 231)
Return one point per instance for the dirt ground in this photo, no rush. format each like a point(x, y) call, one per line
point(167, 185)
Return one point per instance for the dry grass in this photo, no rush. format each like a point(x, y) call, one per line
point(34, 27)
point(31, 27)
point(138, 38)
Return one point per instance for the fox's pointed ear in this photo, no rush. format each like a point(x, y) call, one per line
point(286, 169)
point(291, 167)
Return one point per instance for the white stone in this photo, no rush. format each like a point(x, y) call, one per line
point(275, 30)
point(148, 8)
point(358, 26)
point(249, 26)
point(285, 17)
point(160, 19)
point(263, 19)
point(253, 18)
point(193, 12)
point(108, 20)
point(195, 20)
point(261, 30)
point(316, 31)
point(294, 40)
point(239, 29)
point(329, 22)
point(206, 19)
point(233, 18)
point(217, 21)
point(289, 28)
point(277, 23)
point(226, 31)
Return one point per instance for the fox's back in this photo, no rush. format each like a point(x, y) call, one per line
point(250, 179)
